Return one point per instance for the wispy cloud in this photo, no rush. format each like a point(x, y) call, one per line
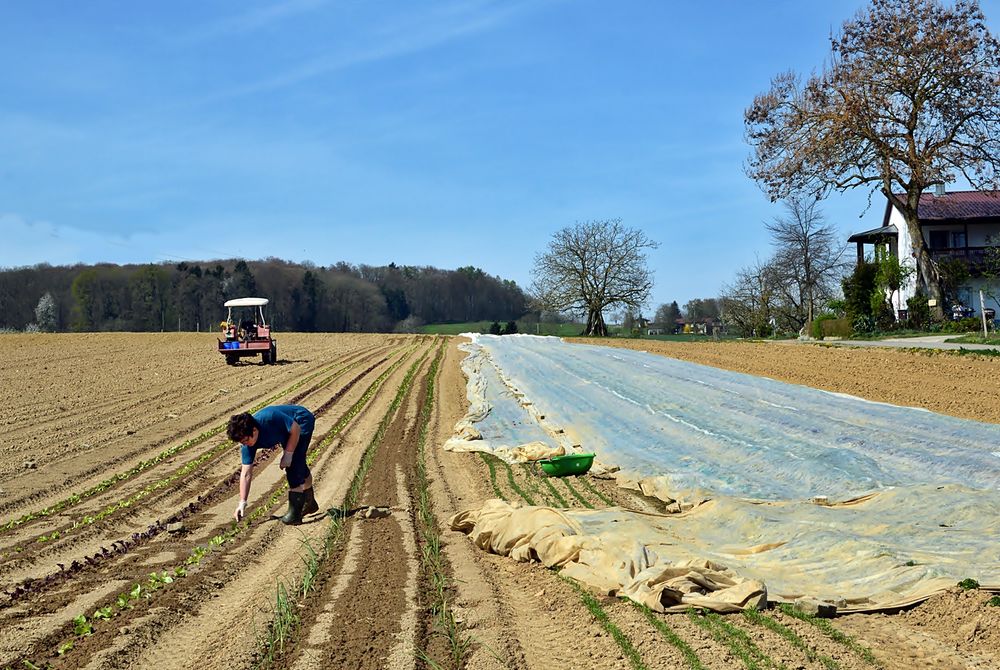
point(406, 35)
point(253, 20)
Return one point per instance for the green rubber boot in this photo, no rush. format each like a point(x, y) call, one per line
point(296, 500)
point(310, 505)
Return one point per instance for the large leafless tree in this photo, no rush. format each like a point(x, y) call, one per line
point(808, 259)
point(592, 267)
point(910, 98)
point(748, 303)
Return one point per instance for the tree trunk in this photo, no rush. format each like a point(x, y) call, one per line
point(928, 279)
point(595, 323)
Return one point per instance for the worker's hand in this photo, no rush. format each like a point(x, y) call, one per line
point(240, 510)
point(286, 459)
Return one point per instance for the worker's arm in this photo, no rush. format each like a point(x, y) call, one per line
point(246, 476)
point(293, 441)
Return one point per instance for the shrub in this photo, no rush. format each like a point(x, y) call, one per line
point(838, 307)
point(495, 328)
point(837, 328)
point(971, 324)
point(885, 319)
point(816, 326)
point(510, 328)
point(918, 314)
point(863, 323)
point(858, 288)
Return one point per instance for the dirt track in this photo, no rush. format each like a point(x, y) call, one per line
point(118, 434)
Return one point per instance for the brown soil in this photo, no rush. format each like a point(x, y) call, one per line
point(83, 409)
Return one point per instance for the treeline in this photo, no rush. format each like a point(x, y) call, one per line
point(303, 297)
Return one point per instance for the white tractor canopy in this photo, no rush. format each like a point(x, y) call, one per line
point(247, 302)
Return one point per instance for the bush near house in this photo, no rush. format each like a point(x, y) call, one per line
point(827, 325)
point(972, 324)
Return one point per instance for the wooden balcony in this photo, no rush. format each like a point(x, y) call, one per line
point(974, 256)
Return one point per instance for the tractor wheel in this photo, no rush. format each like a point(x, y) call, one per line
point(274, 353)
point(230, 359)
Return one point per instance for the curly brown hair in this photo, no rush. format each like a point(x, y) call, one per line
point(241, 426)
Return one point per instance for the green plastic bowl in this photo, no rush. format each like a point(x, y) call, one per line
point(570, 464)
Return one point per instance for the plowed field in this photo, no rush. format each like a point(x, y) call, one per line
point(118, 548)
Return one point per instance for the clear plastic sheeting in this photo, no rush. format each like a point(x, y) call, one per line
point(500, 420)
point(861, 504)
point(705, 430)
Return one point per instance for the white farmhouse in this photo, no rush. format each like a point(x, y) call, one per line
point(960, 224)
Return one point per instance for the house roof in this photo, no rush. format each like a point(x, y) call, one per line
point(959, 205)
point(956, 206)
point(874, 235)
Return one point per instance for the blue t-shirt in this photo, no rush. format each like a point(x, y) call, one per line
point(275, 428)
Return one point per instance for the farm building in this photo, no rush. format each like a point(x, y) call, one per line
point(960, 225)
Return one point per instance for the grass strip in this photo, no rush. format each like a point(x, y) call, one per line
point(595, 609)
point(576, 494)
point(755, 617)
point(142, 466)
point(145, 590)
point(285, 623)
point(589, 487)
point(834, 634)
point(491, 465)
point(734, 639)
point(672, 637)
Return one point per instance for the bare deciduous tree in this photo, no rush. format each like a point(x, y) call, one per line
point(748, 303)
point(591, 267)
point(808, 259)
point(910, 99)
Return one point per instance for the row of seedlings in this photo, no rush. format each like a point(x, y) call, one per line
point(34, 586)
point(141, 592)
point(734, 639)
point(168, 453)
point(288, 599)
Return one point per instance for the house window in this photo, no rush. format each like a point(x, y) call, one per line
point(958, 240)
point(938, 239)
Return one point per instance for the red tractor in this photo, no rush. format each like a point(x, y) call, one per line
point(249, 335)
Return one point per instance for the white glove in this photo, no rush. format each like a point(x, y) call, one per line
point(286, 459)
point(240, 510)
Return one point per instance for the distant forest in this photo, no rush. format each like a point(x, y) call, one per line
point(303, 297)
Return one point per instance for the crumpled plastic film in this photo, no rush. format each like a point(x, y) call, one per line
point(815, 494)
point(500, 420)
point(607, 550)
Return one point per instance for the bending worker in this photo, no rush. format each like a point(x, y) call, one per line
point(288, 427)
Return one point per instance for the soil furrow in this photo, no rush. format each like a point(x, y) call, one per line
point(138, 566)
point(69, 388)
point(225, 487)
point(368, 591)
point(100, 467)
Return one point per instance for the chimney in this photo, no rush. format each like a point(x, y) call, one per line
point(939, 190)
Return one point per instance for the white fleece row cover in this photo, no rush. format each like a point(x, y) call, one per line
point(914, 497)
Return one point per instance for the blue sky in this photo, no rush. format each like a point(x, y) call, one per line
point(440, 133)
